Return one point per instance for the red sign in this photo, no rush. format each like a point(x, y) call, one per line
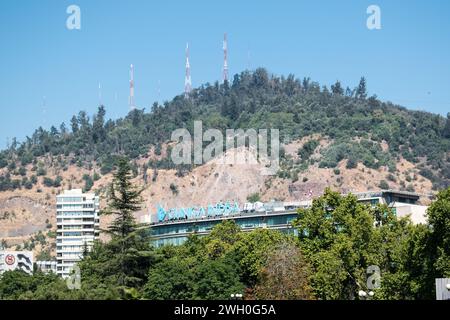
point(10, 259)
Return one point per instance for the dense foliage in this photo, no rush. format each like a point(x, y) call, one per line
point(339, 241)
point(252, 100)
point(343, 239)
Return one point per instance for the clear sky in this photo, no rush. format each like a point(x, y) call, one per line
point(406, 62)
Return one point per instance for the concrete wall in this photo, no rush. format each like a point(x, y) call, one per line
point(417, 213)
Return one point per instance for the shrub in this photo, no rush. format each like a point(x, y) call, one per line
point(57, 182)
point(384, 185)
point(307, 149)
point(33, 179)
point(174, 188)
point(27, 184)
point(88, 182)
point(351, 163)
point(22, 171)
point(391, 177)
point(96, 176)
point(106, 168)
point(254, 197)
point(48, 182)
point(41, 171)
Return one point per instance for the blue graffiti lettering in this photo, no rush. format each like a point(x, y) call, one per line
point(212, 210)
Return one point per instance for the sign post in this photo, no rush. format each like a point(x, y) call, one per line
point(443, 289)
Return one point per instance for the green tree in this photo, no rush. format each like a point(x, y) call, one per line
point(254, 197)
point(446, 131)
point(130, 250)
point(335, 235)
point(170, 279)
point(74, 124)
point(124, 199)
point(384, 185)
point(20, 285)
point(337, 89)
point(88, 182)
point(251, 252)
point(98, 130)
point(222, 238)
point(217, 280)
point(439, 237)
point(361, 90)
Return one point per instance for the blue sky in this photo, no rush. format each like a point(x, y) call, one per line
point(406, 62)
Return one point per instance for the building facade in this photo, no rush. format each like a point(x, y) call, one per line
point(16, 260)
point(177, 232)
point(173, 226)
point(47, 266)
point(77, 227)
point(442, 288)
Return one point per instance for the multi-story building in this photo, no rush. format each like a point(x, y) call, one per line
point(174, 226)
point(46, 266)
point(13, 260)
point(77, 227)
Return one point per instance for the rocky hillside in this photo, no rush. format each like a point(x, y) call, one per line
point(331, 137)
point(28, 217)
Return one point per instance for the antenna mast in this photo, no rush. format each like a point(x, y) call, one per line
point(44, 110)
point(187, 79)
point(225, 58)
point(131, 100)
point(100, 94)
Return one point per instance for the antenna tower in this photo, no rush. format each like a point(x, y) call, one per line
point(225, 58)
point(131, 100)
point(187, 79)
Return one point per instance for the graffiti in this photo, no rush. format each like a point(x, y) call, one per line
point(219, 209)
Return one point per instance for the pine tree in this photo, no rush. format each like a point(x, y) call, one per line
point(129, 245)
point(361, 91)
point(74, 124)
point(446, 132)
point(337, 89)
point(63, 129)
point(98, 130)
point(124, 199)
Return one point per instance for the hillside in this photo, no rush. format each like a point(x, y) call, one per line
point(331, 137)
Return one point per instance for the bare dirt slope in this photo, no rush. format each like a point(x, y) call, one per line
point(26, 212)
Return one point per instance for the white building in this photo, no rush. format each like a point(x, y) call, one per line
point(403, 203)
point(417, 213)
point(77, 226)
point(46, 266)
point(12, 260)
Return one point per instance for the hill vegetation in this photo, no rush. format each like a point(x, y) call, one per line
point(357, 126)
point(338, 239)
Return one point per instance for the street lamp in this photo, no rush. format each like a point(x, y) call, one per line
point(236, 296)
point(364, 295)
point(448, 286)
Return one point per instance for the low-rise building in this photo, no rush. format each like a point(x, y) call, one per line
point(16, 260)
point(173, 226)
point(46, 266)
